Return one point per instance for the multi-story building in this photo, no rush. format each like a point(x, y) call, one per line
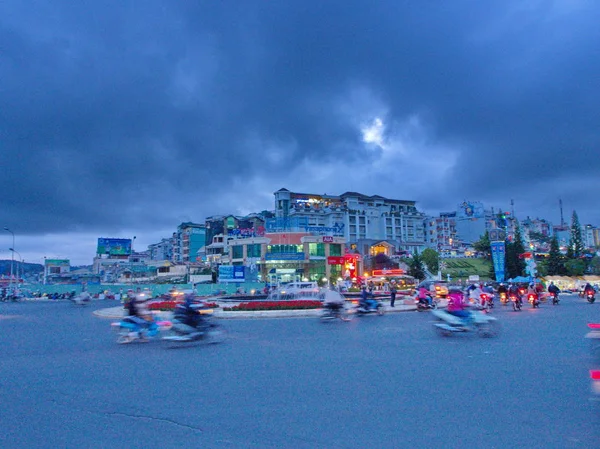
point(361, 219)
point(473, 221)
point(293, 256)
point(189, 238)
point(591, 236)
point(162, 250)
point(441, 233)
point(236, 226)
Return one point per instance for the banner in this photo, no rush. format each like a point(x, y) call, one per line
point(114, 247)
point(232, 273)
point(498, 257)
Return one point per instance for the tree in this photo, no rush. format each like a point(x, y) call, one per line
point(483, 245)
point(575, 267)
point(416, 269)
point(515, 266)
point(382, 261)
point(576, 241)
point(595, 265)
point(538, 237)
point(432, 259)
point(556, 264)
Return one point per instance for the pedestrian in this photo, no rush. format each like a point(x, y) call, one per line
point(393, 291)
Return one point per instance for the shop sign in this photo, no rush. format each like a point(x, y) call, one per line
point(285, 256)
point(327, 239)
point(335, 260)
point(337, 229)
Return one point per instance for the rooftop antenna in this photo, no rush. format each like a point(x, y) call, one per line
point(562, 220)
point(512, 208)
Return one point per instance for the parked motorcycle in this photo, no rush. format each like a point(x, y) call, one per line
point(483, 324)
point(132, 328)
point(516, 301)
point(533, 300)
point(333, 311)
point(193, 323)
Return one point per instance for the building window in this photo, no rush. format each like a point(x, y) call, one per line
point(361, 220)
point(278, 249)
point(316, 249)
point(335, 249)
point(237, 252)
point(254, 250)
point(352, 219)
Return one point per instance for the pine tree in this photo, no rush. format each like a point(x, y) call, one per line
point(556, 265)
point(576, 241)
point(416, 269)
point(515, 266)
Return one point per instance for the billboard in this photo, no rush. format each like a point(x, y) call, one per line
point(470, 209)
point(498, 257)
point(114, 247)
point(232, 273)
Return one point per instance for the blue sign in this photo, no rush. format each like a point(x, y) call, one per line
point(231, 273)
point(285, 256)
point(337, 229)
point(498, 257)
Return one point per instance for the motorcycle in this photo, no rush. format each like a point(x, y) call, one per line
point(591, 297)
point(422, 304)
point(133, 328)
point(533, 300)
point(82, 299)
point(554, 297)
point(503, 298)
point(193, 323)
point(374, 307)
point(487, 300)
point(333, 311)
point(517, 302)
point(483, 324)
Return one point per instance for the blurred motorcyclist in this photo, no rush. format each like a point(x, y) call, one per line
point(367, 301)
point(139, 312)
point(457, 305)
point(423, 295)
point(589, 290)
point(502, 289)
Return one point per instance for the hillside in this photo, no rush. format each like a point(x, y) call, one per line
point(27, 268)
point(465, 267)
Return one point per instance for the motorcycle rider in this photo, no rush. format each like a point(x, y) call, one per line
point(475, 294)
point(424, 296)
point(457, 306)
point(367, 301)
point(588, 290)
point(333, 301)
point(502, 289)
point(531, 290)
point(187, 315)
point(553, 289)
point(140, 314)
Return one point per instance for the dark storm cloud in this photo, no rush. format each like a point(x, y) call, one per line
point(120, 115)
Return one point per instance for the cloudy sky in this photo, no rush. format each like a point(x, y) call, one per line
point(122, 118)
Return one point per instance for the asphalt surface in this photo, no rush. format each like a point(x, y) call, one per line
point(375, 382)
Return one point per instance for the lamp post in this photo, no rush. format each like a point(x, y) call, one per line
point(12, 261)
point(12, 250)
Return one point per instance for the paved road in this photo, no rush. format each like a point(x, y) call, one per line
point(376, 382)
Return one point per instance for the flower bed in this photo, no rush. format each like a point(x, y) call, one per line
point(275, 305)
point(169, 305)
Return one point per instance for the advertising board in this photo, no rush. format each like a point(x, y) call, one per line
point(336, 260)
point(114, 247)
point(231, 273)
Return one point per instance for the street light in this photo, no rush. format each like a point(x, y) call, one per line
point(20, 258)
point(12, 262)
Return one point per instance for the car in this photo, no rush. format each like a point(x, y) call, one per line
point(438, 289)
